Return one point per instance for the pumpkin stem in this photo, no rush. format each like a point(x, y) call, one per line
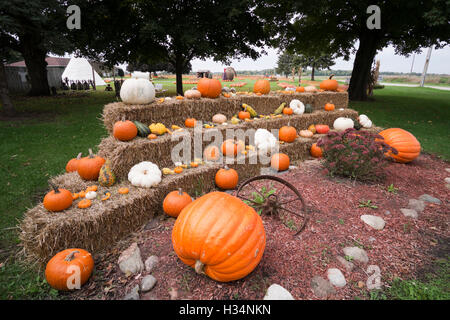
point(91, 154)
point(199, 267)
point(331, 76)
point(226, 167)
point(180, 191)
point(123, 118)
point(79, 155)
point(54, 187)
point(71, 255)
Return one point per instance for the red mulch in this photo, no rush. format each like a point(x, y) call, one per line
point(402, 249)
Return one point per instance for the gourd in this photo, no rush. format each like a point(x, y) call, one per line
point(322, 128)
point(365, 121)
point(123, 190)
point(89, 167)
point(280, 162)
point(248, 108)
point(57, 199)
point(280, 109)
point(175, 201)
point(343, 123)
point(124, 130)
point(90, 195)
point(85, 203)
point(297, 106)
point(220, 236)
point(406, 144)
point(158, 128)
point(144, 174)
point(316, 151)
point(244, 114)
point(219, 118)
point(106, 177)
point(193, 94)
point(287, 134)
point(137, 91)
point(226, 178)
point(59, 270)
point(209, 88)
point(312, 128)
point(308, 108)
point(264, 140)
point(306, 133)
point(329, 84)
point(310, 89)
point(142, 129)
point(261, 86)
point(72, 164)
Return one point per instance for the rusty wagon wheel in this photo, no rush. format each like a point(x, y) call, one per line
point(271, 195)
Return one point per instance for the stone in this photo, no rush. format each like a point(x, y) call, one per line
point(151, 263)
point(133, 294)
point(336, 277)
point(409, 213)
point(357, 254)
point(447, 185)
point(372, 239)
point(130, 261)
point(447, 169)
point(346, 264)
point(321, 287)
point(417, 205)
point(375, 222)
point(447, 180)
point(147, 283)
point(277, 292)
point(387, 212)
point(427, 198)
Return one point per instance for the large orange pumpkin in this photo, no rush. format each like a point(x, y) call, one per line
point(261, 86)
point(219, 235)
point(407, 145)
point(175, 201)
point(329, 84)
point(124, 130)
point(209, 88)
point(287, 134)
point(226, 178)
point(57, 199)
point(89, 167)
point(63, 269)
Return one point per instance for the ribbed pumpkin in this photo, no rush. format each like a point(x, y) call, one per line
point(89, 167)
point(72, 164)
point(226, 178)
point(175, 201)
point(63, 268)
point(287, 134)
point(124, 130)
point(261, 86)
point(280, 161)
point(106, 177)
point(329, 84)
point(209, 88)
point(407, 145)
point(57, 199)
point(219, 235)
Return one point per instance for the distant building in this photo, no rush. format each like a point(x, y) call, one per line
point(204, 74)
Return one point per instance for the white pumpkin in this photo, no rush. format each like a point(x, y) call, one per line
point(219, 118)
point(140, 75)
point(192, 94)
point(290, 89)
point(265, 140)
point(365, 121)
point(343, 123)
point(310, 89)
point(137, 91)
point(144, 174)
point(297, 106)
point(91, 195)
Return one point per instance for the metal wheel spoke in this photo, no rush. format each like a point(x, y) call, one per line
point(246, 199)
point(291, 200)
point(290, 211)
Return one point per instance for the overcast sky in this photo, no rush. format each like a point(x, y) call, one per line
point(389, 61)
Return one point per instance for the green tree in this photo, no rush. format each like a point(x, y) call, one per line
point(341, 26)
point(285, 64)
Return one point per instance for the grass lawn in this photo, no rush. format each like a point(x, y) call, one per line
point(54, 129)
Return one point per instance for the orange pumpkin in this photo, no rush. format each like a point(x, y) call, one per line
point(316, 151)
point(300, 89)
point(190, 122)
point(322, 128)
point(261, 86)
point(209, 88)
point(67, 267)
point(175, 201)
point(231, 148)
point(329, 84)
point(329, 107)
point(72, 164)
point(178, 170)
point(244, 115)
point(288, 111)
point(404, 142)
point(124, 130)
point(57, 199)
point(123, 190)
point(211, 153)
point(85, 203)
point(89, 167)
point(287, 134)
point(220, 236)
point(226, 178)
point(280, 161)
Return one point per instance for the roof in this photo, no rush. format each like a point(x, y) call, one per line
point(51, 62)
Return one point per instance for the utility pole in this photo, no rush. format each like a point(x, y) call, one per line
point(425, 67)
point(412, 64)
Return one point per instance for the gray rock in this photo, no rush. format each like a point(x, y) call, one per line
point(447, 180)
point(346, 264)
point(321, 287)
point(427, 198)
point(277, 292)
point(448, 185)
point(133, 294)
point(373, 221)
point(447, 169)
point(387, 212)
point(147, 283)
point(372, 239)
point(336, 277)
point(409, 213)
point(357, 254)
point(417, 205)
point(130, 261)
point(151, 263)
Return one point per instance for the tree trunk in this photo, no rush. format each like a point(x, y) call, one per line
point(34, 58)
point(357, 90)
point(313, 68)
point(8, 107)
point(179, 75)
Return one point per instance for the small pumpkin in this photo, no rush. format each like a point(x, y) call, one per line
point(89, 167)
point(211, 153)
point(192, 94)
point(287, 134)
point(175, 201)
point(329, 107)
point(244, 115)
point(329, 84)
point(158, 128)
point(90, 195)
point(152, 136)
point(57, 199)
point(310, 89)
point(300, 89)
point(365, 121)
point(288, 111)
point(306, 133)
point(123, 190)
point(124, 130)
point(261, 86)
point(209, 88)
point(297, 106)
point(219, 118)
point(248, 108)
point(85, 203)
point(72, 164)
point(322, 128)
point(67, 267)
point(316, 151)
point(190, 122)
point(226, 178)
point(91, 188)
point(343, 123)
point(178, 170)
point(280, 162)
point(107, 196)
point(231, 148)
point(144, 174)
point(106, 176)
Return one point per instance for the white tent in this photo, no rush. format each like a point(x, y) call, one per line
point(79, 69)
